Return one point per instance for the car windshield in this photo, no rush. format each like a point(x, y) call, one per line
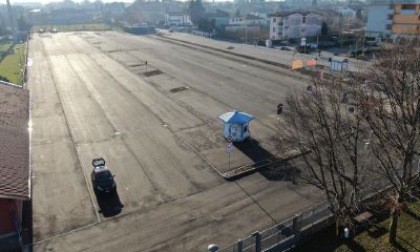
point(103, 176)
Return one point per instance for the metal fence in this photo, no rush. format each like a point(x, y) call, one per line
point(285, 234)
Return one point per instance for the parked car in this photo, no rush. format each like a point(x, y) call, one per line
point(102, 178)
point(286, 48)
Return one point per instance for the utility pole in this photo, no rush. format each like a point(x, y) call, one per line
point(12, 22)
point(246, 31)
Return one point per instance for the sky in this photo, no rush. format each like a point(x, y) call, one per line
point(49, 1)
point(78, 1)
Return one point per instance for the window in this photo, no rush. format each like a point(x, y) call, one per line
point(274, 20)
point(274, 29)
point(388, 27)
point(304, 19)
point(408, 7)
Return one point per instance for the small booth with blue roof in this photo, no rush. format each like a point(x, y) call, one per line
point(236, 125)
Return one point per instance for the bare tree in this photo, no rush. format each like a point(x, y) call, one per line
point(385, 111)
point(323, 123)
point(395, 122)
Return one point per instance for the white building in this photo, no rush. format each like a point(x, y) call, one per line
point(393, 21)
point(346, 12)
point(294, 25)
point(178, 19)
point(249, 20)
point(377, 21)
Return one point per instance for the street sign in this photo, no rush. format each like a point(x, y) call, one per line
point(229, 148)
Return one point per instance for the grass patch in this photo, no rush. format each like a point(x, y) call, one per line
point(4, 47)
point(375, 238)
point(74, 27)
point(12, 64)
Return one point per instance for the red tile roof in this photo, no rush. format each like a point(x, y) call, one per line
point(14, 143)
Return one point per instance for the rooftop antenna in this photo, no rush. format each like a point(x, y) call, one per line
point(12, 22)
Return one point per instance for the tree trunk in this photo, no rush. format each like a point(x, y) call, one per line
point(395, 216)
point(337, 228)
point(394, 225)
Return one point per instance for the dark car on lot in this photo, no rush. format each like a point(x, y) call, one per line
point(102, 178)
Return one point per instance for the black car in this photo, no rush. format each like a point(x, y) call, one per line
point(102, 178)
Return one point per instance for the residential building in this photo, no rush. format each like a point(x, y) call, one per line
point(288, 25)
point(178, 19)
point(249, 20)
point(221, 22)
point(15, 187)
point(393, 21)
point(346, 11)
point(250, 27)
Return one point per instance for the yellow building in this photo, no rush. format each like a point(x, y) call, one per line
point(405, 19)
point(393, 20)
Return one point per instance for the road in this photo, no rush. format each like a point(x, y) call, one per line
point(93, 95)
point(271, 54)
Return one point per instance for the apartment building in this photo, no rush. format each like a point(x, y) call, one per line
point(178, 19)
point(286, 25)
point(393, 21)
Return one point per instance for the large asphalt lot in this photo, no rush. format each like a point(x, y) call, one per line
point(91, 96)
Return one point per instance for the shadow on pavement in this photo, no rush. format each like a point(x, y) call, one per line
point(109, 203)
point(252, 148)
point(27, 232)
point(271, 167)
point(281, 171)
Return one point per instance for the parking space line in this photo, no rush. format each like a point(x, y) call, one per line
point(73, 141)
point(65, 233)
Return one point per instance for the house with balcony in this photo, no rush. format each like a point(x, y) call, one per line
point(392, 21)
point(249, 20)
point(287, 25)
point(177, 19)
point(249, 26)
